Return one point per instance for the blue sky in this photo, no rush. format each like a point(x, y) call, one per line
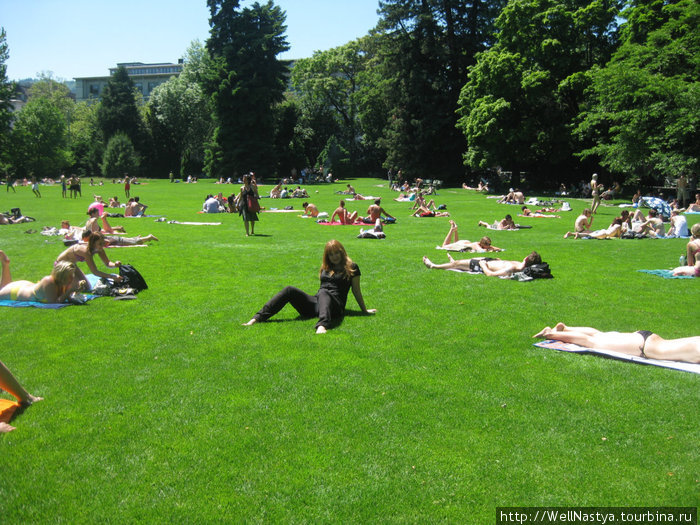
point(77, 38)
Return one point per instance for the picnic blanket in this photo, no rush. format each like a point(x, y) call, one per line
point(574, 348)
point(667, 274)
point(195, 223)
point(278, 210)
point(7, 410)
point(336, 223)
point(517, 227)
point(92, 281)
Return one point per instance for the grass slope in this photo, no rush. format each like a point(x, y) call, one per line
point(438, 408)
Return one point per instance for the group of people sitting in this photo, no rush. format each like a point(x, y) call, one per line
point(282, 192)
point(651, 225)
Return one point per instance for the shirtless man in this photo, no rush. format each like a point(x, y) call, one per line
point(653, 225)
point(310, 209)
point(375, 212)
point(506, 223)
point(344, 216)
point(453, 243)
point(518, 196)
point(486, 265)
point(582, 224)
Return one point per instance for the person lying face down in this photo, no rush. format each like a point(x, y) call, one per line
point(52, 289)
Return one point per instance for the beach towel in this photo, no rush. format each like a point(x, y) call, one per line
point(92, 281)
point(691, 213)
point(667, 274)
point(517, 227)
point(574, 348)
point(278, 210)
point(7, 410)
point(366, 198)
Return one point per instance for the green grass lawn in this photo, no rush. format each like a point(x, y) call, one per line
point(437, 409)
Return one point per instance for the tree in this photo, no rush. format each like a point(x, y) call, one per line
point(330, 81)
point(119, 157)
point(424, 51)
point(245, 80)
point(85, 139)
point(522, 94)
point(39, 139)
point(118, 111)
point(643, 118)
point(7, 91)
point(57, 92)
point(179, 118)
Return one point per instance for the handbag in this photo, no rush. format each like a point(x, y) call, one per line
point(253, 204)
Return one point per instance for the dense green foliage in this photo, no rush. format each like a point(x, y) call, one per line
point(245, 79)
point(39, 139)
point(643, 117)
point(438, 409)
point(7, 90)
point(120, 158)
point(446, 89)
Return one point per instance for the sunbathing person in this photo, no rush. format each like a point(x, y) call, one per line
point(641, 343)
point(526, 212)
point(54, 288)
point(695, 206)
point(679, 225)
point(652, 225)
point(453, 243)
point(9, 384)
point(690, 271)
point(692, 249)
point(582, 224)
point(310, 209)
point(85, 253)
point(276, 192)
point(134, 208)
point(504, 224)
point(425, 212)
point(375, 212)
point(614, 231)
point(420, 202)
point(486, 265)
point(344, 216)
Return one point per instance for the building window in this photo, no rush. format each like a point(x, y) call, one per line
point(94, 90)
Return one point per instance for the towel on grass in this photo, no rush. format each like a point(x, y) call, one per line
point(7, 410)
point(517, 227)
point(366, 198)
point(278, 210)
point(195, 223)
point(666, 274)
point(571, 347)
point(92, 281)
point(357, 223)
point(691, 213)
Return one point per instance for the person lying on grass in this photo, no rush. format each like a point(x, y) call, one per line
point(486, 265)
point(112, 239)
point(453, 243)
point(642, 343)
point(52, 289)
point(85, 253)
point(506, 223)
point(423, 211)
point(338, 275)
point(9, 384)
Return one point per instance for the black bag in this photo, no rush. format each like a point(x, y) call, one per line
point(538, 271)
point(131, 278)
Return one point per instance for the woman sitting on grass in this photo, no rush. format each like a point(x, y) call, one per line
point(452, 242)
point(52, 289)
point(614, 231)
point(9, 384)
point(486, 265)
point(641, 343)
point(85, 253)
point(504, 224)
point(338, 275)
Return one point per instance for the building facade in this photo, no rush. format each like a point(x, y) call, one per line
point(145, 77)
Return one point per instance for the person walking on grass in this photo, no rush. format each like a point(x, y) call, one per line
point(338, 275)
point(35, 187)
point(248, 206)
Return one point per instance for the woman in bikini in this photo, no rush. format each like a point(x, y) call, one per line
point(54, 288)
point(642, 343)
point(85, 253)
point(454, 244)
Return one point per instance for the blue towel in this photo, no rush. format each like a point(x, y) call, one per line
point(92, 280)
point(667, 274)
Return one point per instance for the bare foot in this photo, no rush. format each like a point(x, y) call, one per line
point(4, 427)
point(321, 330)
point(453, 224)
point(560, 327)
point(4, 257)
point(30, 400)
point(567, 235)
point(251, 322)
point(428, 263)
point(543, 332)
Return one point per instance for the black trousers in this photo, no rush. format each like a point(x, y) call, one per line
point(322, 305)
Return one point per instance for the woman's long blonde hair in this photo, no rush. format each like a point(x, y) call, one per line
point(333, 246)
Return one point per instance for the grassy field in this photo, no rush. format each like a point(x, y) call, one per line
point(437, 409)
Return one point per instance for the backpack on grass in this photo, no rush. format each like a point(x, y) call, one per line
point(131, 278)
